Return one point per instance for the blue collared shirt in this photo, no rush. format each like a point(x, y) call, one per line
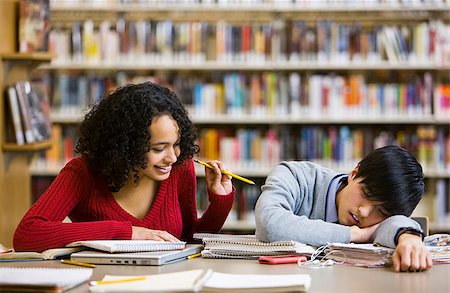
point(331, 213)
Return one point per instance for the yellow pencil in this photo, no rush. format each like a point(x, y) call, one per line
point(134, 279)
point(77, 263)
point(194, 255)
point(226, 172)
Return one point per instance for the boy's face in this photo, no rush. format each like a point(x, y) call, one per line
point(354, 208)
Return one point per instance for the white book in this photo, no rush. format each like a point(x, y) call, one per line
point(15, 115)
point(129, 245)
point(13, 279)
point(204, 281)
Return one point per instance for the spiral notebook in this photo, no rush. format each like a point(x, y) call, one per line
point(113, 246)
point(248, 246)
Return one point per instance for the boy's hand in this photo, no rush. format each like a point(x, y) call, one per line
point(362, 235)
point(411, 254)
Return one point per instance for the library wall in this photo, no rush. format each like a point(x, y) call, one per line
point(266, 81)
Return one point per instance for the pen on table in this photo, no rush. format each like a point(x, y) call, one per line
point(226, 172)
point(194, 255)
point(77, 263)
point(134, 279)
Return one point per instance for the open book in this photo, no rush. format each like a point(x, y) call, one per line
point(203, 281)
point(14, 279)
point(129, 245)
point(53, 253)
point(248, 246)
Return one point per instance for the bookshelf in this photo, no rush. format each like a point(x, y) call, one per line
point(369, 58)
point(15, 177)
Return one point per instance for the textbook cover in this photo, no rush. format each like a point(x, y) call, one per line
point(34, 25)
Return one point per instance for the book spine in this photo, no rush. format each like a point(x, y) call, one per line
point(25, 110)
point(15, 114)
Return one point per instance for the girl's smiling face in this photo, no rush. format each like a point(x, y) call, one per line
point(164, 148)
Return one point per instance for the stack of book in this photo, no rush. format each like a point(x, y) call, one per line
point(439, 247)
point(248, 247)
point(361, 254)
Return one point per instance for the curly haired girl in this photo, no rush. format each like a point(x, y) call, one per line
point(135, 178)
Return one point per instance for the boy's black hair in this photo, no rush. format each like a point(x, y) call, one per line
point(392, 177)
point(114, 136)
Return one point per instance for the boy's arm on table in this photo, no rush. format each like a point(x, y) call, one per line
point(405, 235)
point(386, 233)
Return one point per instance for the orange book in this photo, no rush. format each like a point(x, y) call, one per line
point(54, 152)
point(210, 142)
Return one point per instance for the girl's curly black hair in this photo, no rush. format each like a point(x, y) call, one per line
point(114, 136)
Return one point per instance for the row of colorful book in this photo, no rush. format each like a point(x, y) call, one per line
point(262, 148)
point(327, 41)
point(321, 95)
point(294, 95)
point(340, 147)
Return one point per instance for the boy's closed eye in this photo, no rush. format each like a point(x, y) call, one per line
point(383, 213)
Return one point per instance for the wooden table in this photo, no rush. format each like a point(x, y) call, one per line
point(337, 278)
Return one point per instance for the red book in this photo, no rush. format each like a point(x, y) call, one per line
point(246, 39)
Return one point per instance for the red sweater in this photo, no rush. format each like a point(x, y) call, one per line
point(83, 196)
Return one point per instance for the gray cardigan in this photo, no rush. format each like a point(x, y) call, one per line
point(292, 207)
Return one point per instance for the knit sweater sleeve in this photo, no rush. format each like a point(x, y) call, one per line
point(214, 216)
point(386, 232)
point(292, 206)
point(42, 226)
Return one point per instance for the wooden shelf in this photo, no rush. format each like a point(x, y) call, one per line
point(170, 65)
point(303, 119)
point(37, 56)
point(44, 168)
point(247, 225)
point(58, 6)
point(74, 118)
point(32, 147)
